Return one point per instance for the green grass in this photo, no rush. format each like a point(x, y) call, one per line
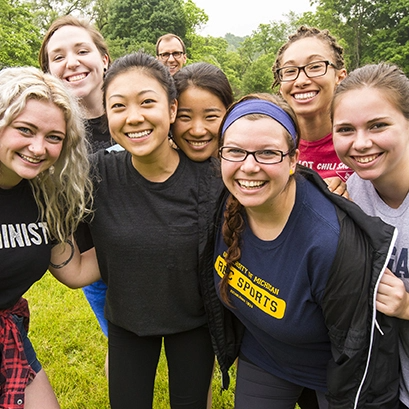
point(72, 348)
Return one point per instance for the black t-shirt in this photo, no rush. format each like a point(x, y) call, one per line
point(98, 134)
point(25, 248)
point(99, 138)
point(147, 241)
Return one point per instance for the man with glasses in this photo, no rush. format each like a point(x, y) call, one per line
point(171, 51)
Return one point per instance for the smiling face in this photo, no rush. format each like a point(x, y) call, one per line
point(139, 114)
point(310, 96)
point(255, 185)
point(371, 135)
point(197, 123)
point(74, 57)
point(170, 46)
point(31, 143)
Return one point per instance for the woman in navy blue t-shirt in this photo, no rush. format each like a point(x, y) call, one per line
point(280, 241)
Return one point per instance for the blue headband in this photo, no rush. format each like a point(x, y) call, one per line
point(261, 106)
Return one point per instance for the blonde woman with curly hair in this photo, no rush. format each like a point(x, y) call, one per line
point(44, 189)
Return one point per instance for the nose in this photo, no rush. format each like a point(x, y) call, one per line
point(250, 165)
point(302, 77)
point(197, 129)
point(72, 61)
point(361, 141)
point(37, 146)
point(171, 57)
point(134, 115)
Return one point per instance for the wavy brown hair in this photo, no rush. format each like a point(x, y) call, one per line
point(69, 20)
point(234, 223)
point(387, 78)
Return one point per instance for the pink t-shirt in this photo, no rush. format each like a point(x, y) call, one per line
point(321, 156)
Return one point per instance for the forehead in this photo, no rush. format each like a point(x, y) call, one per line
point(365, 102)
point(195, 97)
point(66, 36)
point(306, 50)
point(256, 132)
point(169, 46)
point(133, 81)
point(44, 113)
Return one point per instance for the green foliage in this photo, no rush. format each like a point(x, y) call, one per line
point(46, 11)
point(72, 350)
point(259, 77)
point(141, 21)
point(119, 47)
point(19, 37)
point(195, 18)
point(389, 40)
point(369, 30)
point(233, 41)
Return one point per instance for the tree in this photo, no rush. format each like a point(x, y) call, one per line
point(19, 37)
point(46, 11)
point(369, 30)
point(138, 21)
point(259, 77)
point(389, 39)
point(195, 18)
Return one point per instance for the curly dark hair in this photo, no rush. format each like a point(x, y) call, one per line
point(307, 32)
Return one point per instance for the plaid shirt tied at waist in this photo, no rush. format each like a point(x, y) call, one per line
point(15, 372)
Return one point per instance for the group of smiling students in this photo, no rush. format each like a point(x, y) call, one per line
point(216, 242)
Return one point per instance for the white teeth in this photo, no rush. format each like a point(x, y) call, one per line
point(306, 95)
point(198, 143)
point(135, 135)
point(367, 159)
point(29, 159)
point(74, 78)
point(249, 184)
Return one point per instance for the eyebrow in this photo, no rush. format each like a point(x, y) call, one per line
point(371, 121)
point(312, 58)
point(76, 45)
point(205, 110)
point(141, 93)
point(21, 122)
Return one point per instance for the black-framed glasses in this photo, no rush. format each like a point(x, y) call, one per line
point(311, 70)
point(176, 55)
point(264, 156)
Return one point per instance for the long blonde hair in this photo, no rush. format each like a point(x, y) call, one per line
point(65, 195)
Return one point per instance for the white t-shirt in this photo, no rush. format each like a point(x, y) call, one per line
point(363, 193)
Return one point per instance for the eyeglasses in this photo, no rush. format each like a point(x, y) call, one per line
point(176, 55)
point(264, 156)
point(311, 70)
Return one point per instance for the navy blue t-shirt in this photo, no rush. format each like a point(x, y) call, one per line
point(277, 287)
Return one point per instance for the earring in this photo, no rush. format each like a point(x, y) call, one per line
point(51, 170)
point(291, 172)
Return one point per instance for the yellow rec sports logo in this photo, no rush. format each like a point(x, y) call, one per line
point(252, 293)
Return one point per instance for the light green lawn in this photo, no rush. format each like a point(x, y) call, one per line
point(72, 348)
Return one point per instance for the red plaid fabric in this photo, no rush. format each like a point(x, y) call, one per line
point(15, 372)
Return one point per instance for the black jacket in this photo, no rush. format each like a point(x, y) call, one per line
point(226, 330)
point(363, 372)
